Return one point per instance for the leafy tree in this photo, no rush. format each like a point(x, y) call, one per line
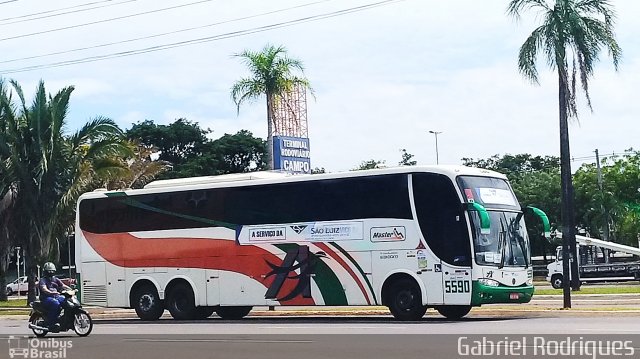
point(514, 166)
point(369, 165)
point(185, 147)
point(619, 195)
point(272, 75)
point(47, 170)
point(573, 32)
point(406, 159)
point(239, 153)
point(177, 142)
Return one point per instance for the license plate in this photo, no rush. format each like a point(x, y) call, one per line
point(514, 296)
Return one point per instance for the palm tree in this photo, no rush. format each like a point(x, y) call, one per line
point(272, 76)
point(572, 34)
point(46, 170)
point(137, 169)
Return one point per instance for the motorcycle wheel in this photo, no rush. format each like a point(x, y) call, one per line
point(82, 324)
point(37, 319)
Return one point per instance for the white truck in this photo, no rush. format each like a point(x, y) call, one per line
point(593, 266)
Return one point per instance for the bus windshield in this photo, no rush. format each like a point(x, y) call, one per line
point(507, 245)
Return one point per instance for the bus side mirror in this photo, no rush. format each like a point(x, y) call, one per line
point(543, 217)
point(485, 222)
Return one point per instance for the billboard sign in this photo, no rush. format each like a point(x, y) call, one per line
point(291, 154)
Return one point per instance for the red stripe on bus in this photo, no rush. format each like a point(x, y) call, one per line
point(344, 264)
point(125, 250)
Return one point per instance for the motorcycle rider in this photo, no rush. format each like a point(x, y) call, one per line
point(50, 288)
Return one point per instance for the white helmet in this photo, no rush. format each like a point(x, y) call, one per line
point(49, 268)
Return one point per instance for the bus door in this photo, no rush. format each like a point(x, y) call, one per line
point(443, 224)
point(456, 282)
point(430, 271)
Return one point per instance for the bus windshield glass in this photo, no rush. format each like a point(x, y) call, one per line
point(507, 244)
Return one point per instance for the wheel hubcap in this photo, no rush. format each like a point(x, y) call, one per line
point(405, 300)
point(81, 323)
point(146, 302)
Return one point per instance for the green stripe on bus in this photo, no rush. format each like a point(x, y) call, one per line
point(346, 254)
point(327, 281)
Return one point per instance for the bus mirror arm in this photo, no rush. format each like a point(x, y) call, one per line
point(485, 222)
point(543, 217)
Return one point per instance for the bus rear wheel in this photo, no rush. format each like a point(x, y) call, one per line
point(147, 303)
point(233, 313)
point(203, 312)
point(181, 302)
point(454, 312)
point(405, 301)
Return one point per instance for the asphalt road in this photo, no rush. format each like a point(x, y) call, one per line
point(319, 337)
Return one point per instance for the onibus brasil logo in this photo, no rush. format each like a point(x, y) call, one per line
point(34, 348)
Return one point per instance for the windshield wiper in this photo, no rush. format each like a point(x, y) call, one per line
point(502, 237)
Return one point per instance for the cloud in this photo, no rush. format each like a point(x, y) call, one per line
point(383, 77)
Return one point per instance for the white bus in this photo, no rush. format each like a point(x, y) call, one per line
point(410, 238)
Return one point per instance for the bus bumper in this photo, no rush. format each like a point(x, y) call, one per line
point(483, 294)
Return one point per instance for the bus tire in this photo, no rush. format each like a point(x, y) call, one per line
point(203, 312)
point(405, 300)
point(181, 302)
point(454, 312)
point(556, 281)
point(147, 303)
point(233, 313)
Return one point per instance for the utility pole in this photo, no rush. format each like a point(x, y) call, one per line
point(605, 215)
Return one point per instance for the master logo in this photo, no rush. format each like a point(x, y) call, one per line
point(388, 234)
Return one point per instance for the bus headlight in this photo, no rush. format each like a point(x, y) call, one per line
point(489, 282)
point(530, 281)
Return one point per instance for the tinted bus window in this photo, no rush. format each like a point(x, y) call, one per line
point(321, 200)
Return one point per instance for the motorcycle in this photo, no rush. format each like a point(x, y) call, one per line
point(71, 317)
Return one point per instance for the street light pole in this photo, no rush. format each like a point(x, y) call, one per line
point(436, 133)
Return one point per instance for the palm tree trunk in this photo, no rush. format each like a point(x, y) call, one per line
point(270, 162)
point(4, 267)
point(33, 276)
point(567, 208)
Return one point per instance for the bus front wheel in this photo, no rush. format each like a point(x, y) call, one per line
point(147, 303)
point(405, 301)
point(233, 313)
point(454, 311)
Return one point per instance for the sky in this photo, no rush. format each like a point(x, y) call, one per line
point(383, 76)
